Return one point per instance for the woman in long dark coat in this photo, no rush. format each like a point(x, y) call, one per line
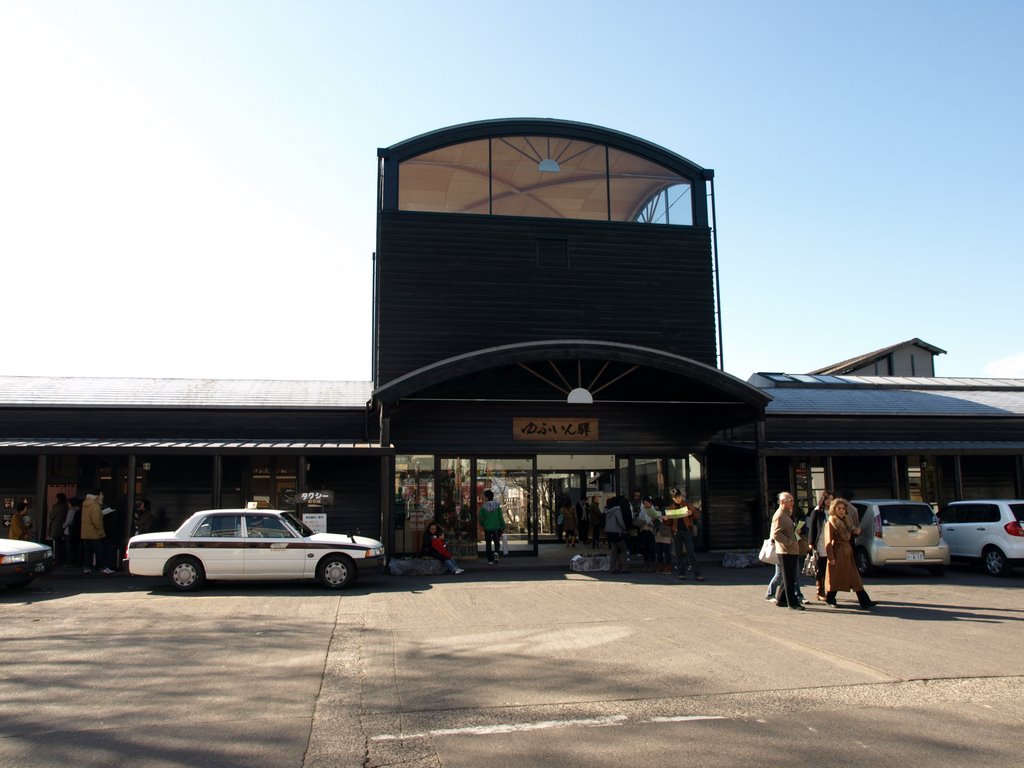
point(841, 574)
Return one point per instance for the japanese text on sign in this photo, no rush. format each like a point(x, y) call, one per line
point(316, 498)
point(573, 430)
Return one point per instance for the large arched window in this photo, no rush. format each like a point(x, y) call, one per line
point(544, 176)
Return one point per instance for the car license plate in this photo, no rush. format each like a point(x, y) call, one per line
point(915, 554)
point(40, 567)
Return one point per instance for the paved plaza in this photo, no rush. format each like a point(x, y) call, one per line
point(519, 664)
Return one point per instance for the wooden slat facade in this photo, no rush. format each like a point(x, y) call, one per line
point(450, 284)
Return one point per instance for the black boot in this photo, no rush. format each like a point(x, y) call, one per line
point(830, 599)
point(866, 603)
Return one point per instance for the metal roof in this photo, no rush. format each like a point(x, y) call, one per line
point(882, 447)
point(893, 396)
point(72, 391)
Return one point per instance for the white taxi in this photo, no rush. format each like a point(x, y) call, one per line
point(251, 544)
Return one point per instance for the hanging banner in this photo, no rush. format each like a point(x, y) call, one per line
point(561, 430)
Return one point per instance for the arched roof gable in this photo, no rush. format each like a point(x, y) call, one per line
point(510, 354)
point(525, 126)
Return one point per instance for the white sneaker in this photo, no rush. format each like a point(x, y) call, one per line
point(106, 570)
point(459, 570)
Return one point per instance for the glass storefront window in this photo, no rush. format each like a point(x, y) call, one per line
point(413, 501)
point(650, 477)
point(455, 513)
point(686, 472)
point(808, 484)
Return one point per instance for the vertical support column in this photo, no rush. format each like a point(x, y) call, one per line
point(129, 514)
point(958, 479)
point(387, 482)
point(762, 481)
point(830, 475)
point(218, 481)
point(387, 528)
point(706, 512)
point(40, 508)
point(895, 480)
point(1019, 476)
point(300, 476)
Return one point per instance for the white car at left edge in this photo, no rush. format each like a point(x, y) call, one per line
point(22, 561)
point(251, 544)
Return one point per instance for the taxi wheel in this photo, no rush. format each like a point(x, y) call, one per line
point(336, 571)
point(186, 574)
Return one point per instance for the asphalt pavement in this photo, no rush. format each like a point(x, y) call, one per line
point(523, 663)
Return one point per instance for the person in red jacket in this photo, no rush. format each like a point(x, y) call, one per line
point(438, 545)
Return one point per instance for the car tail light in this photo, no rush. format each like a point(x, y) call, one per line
point(1014, 528)
point(878, 525)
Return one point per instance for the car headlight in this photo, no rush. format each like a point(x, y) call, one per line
point(18, 558)
point(374, 552)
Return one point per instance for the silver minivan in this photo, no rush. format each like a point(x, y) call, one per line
point(899, 532)
point(986, 531)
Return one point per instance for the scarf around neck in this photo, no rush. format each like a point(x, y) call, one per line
point(842, 526)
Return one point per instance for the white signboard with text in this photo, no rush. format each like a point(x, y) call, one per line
point(316, 520)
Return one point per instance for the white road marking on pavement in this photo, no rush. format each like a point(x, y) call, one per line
point(484, 730)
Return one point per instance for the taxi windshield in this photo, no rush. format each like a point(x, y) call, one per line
point(297, 524)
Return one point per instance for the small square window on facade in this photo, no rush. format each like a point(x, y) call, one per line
point(553, 254)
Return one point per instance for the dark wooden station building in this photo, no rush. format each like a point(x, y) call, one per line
point(545, 312)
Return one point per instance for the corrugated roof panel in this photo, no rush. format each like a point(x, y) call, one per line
point(896, 402)
point(181, 393)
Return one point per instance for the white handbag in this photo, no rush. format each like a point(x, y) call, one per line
point(768, 553)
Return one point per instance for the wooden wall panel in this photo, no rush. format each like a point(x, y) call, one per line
point(356, 485)
point(989, 477)
point(733, 517)
point(450, 284)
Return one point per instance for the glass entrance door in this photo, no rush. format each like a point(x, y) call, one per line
point(511, 481)
point(552, 488)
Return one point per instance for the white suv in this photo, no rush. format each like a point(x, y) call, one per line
point(898, 532)
point(988, 531)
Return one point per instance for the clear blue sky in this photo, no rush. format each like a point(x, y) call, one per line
point(187, 188)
